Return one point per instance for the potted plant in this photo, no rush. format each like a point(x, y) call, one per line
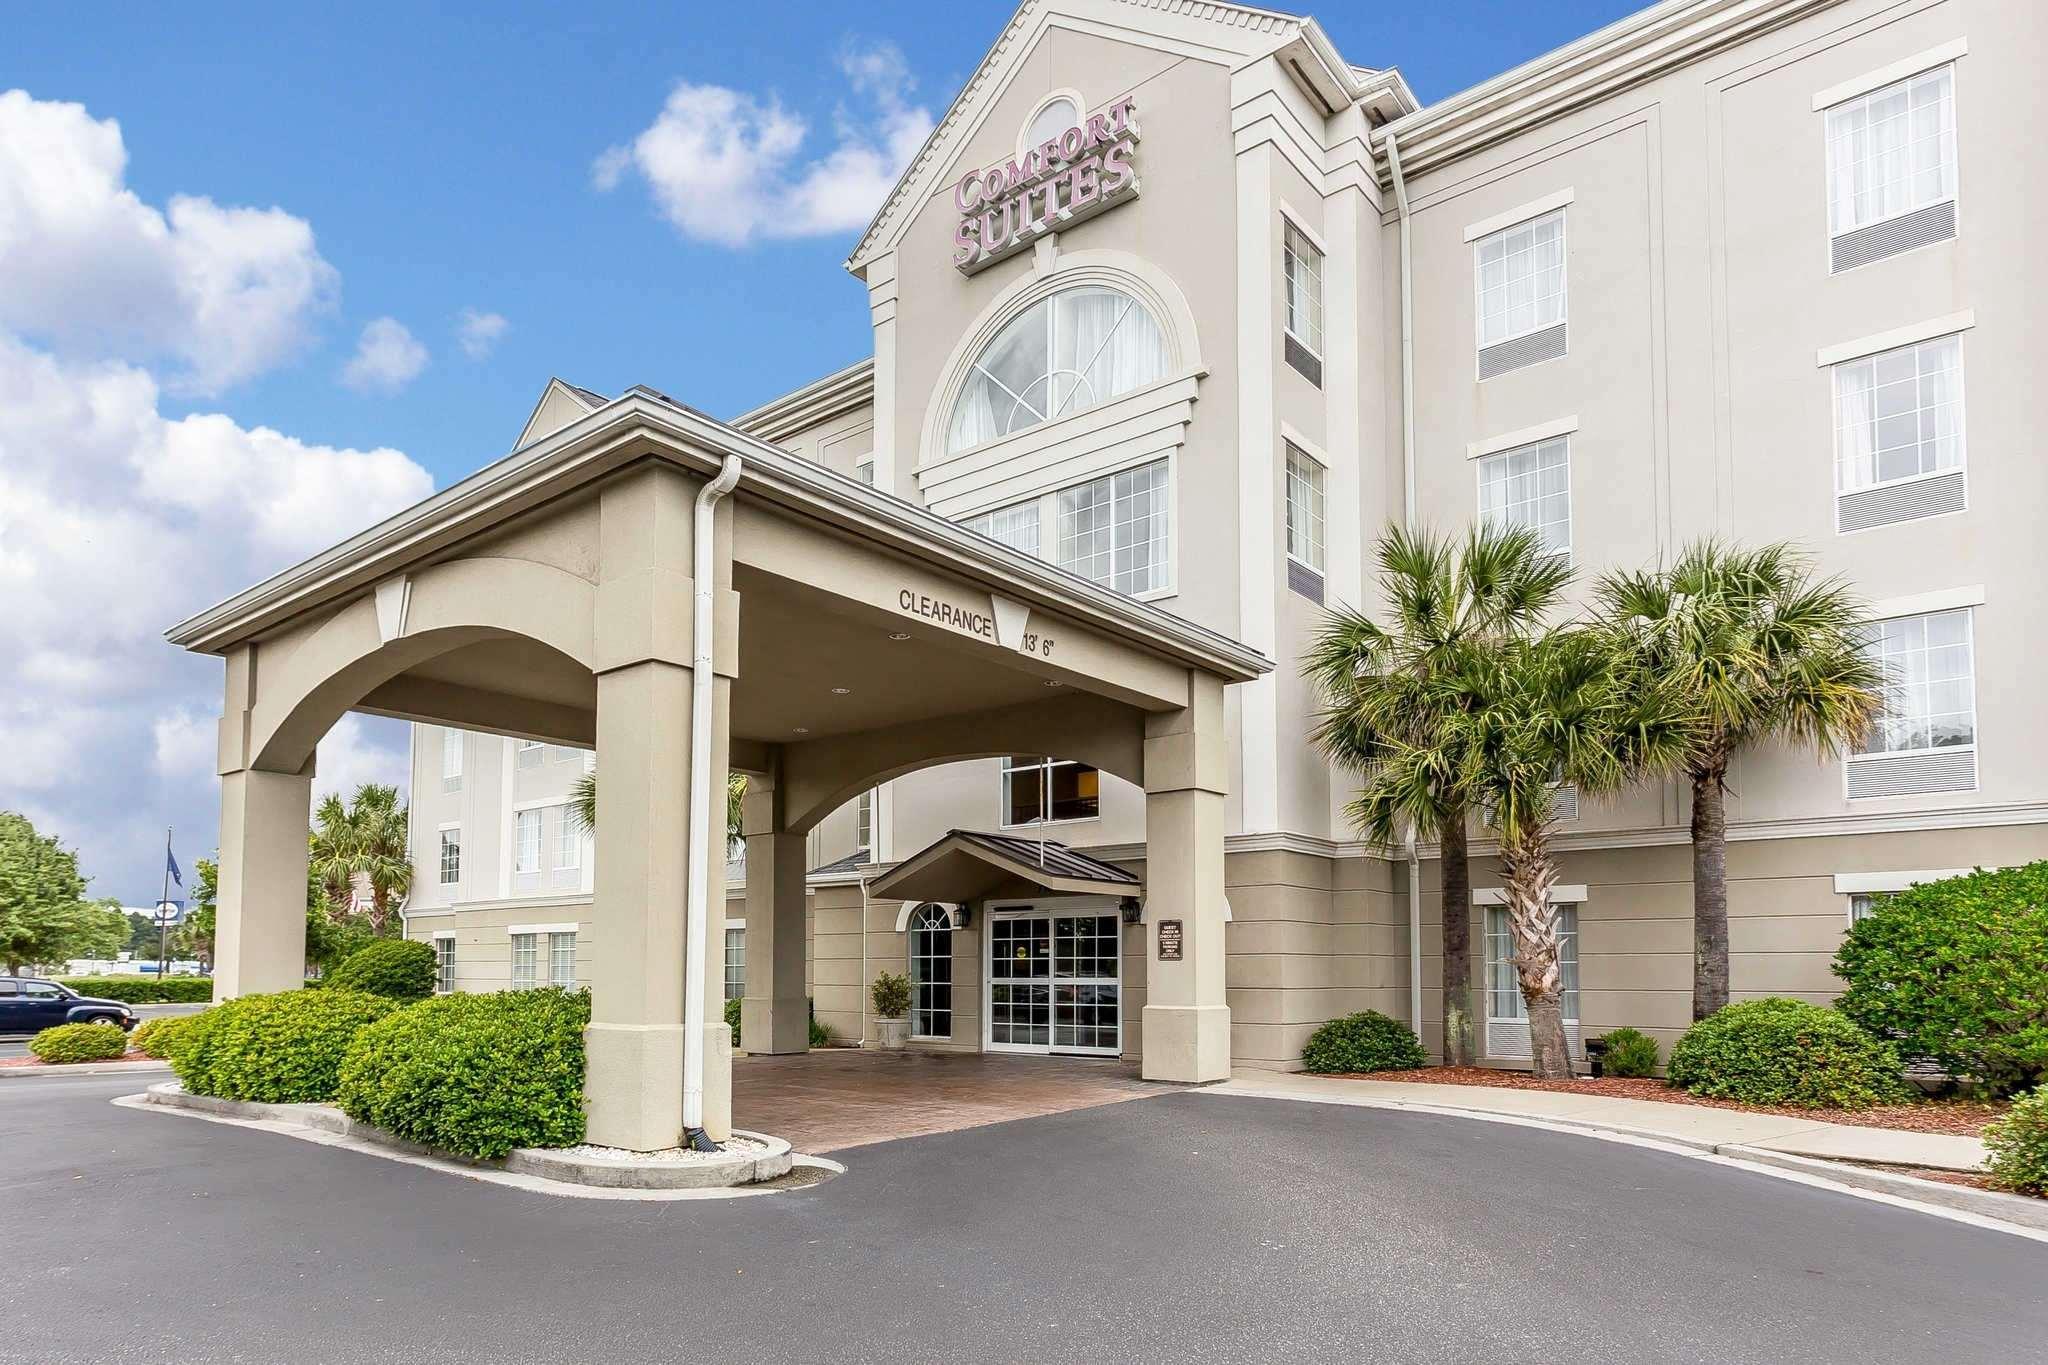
point(891, 995)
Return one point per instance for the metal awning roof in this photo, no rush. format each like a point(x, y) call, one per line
point(968, 865)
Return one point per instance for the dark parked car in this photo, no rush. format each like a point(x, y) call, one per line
point(29, 1004)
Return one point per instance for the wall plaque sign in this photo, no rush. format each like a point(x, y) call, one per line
point(1169, 940)
point(1058, 183)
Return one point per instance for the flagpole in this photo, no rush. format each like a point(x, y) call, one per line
point(163, 928)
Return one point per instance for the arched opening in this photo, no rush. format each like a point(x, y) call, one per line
point(1064, 354)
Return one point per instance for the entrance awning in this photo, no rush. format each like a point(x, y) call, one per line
point(968, 865)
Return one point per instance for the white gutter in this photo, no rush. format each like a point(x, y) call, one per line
point(1408, 520)
point(704, 568)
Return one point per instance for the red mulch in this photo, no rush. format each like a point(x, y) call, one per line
point(1975, 1180)
point(1964, 1118)
point(29, 1063)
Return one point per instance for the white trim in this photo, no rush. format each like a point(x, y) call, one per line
point(910, 908)
point(1527, 436)
point(442, 933)
point(1952, 324)
point(1559, 895)
point(1521, 213)
point(512, 929)
point(1867, 883)
point(1891, 74)
point(1067, 93)
point(1920, 604)
point(1294, 216)
point(544, 802)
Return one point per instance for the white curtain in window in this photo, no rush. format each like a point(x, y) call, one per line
point(1062, 355)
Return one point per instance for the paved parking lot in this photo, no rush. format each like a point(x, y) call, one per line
point(1180, 1227)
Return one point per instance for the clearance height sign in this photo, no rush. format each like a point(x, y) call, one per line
point(1063, 180)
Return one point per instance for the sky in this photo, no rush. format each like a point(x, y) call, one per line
point(269, 274)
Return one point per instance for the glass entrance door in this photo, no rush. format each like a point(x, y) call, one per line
point(1055, 982)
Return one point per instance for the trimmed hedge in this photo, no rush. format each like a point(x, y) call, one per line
point(1630, 1053)
point(2019, 1146)
point(474, 1074)
point(1957, 971)
point(396, 968)
point(153, 1037)
point(1786, 1052)
point(278, 1049)
point(1366, 1041)
point(144, 990)
point(65, 1043)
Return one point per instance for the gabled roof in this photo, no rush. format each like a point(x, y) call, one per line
point(821, 400)
point(560, 403)
point(968, 865)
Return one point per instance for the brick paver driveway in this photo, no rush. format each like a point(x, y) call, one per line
point(839, 1097)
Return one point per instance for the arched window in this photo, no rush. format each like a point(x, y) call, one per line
point(1064, 354)
point(1053, 118)
point(931, 972)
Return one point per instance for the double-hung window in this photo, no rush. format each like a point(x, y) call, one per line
point(451, 856)
point(444, 962)
point(1531, 486)
point(1519, 278)
point(525, 961)
point(735, 963)
point(527, 842)
point(1899, 449)
point(451, 760)
point(1115, 530)
point(1926, 740)
point(568, 846)
point(1301, 269)
point(1305, 523)
point(1892, 169)
point(562, 959)
point(1507, 1014)
point(864, 823)
point(1038, 791)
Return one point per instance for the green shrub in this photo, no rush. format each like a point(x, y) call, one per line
point(100, 1042)
point(732, 1020)
point(818, 1034)
point(1957, 971)
point(1786, 1052)
point(1630, 1052)
point(891, 994)
point(2019, 1146)
point(474, 1074)
point(396, 968)
point(279, 1049)
point(1366, 1041)
point(145, 990)
point(152, 1037)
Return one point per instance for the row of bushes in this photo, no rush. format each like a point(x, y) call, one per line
point(144, 990)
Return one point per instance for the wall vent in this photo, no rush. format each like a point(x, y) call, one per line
point(1532, 349)
point(1304, 580)
point(1303, 360)
point(1935, 223)
point(1945, 770)
point(1929, 497)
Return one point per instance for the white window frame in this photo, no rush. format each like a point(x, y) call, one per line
point(1841, 100)
point(1046, 512)
point(1317, 511)
point(1564, 291)
point(1497, 907)
point(1496, 458)
point(568, 841)
point(527, 944)
point(735, 937)
point(1309, 338)
point(919, 924)
point(555, 975)
point(441, 846)
point(1840, 368)
point(537, 751)
point(444, 961)
point(1057, 411)
point(1043, 767)
point(1969, 614)
point(864, 823)
point(452, 745)
point(539, 824)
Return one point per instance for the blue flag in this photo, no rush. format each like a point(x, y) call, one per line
point(171, 866)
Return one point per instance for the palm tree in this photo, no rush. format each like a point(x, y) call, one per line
point(1386, 685)
point(359, 852)
point(1558, 708)
point(1763, 651)
point(583, 805)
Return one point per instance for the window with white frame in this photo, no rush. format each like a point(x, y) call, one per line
point(1504, 1001)
point(451, 760)
point(532, 753)
point(1860, 906)
point(1930, 696)
point(1892, 152)
point(568, 842)
point(1531, 486)
point(864, 470)
point(1115, 530)
point(527, 841)
point(1064, 354)
point(735, 963)
point(931, 972)
point(1301, 264)
point(1304, 508)
point(1520, 279)
point(525, 961)
point(562, 959)
point(444, 963)
point(864, 823)
point(1899, 414)
point(1038, 791)
point(451, 856)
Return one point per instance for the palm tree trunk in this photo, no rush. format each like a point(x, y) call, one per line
point(1527, 876)
point(1709, 890)
point(1455, 867)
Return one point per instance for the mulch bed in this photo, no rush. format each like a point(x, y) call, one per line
point(37, 1063)
point(1962, 1118)
point(1975, 1180)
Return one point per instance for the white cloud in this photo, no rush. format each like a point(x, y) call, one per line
point(223, 293)
point(388, 357)
point(479, 332)
point(724, 165)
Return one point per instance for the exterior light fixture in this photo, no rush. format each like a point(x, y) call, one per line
point(841, 691)
point(899, 635)
point(801, 730)
point(1054, 682)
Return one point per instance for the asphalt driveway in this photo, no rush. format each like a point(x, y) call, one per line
point(1181, 1227)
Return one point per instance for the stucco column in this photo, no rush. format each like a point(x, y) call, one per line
point(634, 1046)
point(1187, 1022)
point(259, 933)
point(775, 1016)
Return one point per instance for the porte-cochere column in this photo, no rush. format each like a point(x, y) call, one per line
point(775, 1016)
point(1187, 1022)
point(260, 905)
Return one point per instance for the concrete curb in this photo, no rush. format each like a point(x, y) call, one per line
point(2006, 1208)
point(151, 1068)
point(608, 1173)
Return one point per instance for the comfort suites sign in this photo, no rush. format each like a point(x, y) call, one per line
point(1058, 183)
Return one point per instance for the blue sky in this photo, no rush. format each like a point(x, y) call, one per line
point(442, 160)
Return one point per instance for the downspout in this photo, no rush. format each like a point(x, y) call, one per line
point(703, 568)
point(1408, 521)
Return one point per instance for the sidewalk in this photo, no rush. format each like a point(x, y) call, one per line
point(1688, 1125)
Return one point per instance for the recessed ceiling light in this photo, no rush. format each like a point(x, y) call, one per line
point(842, 691)
point(1054, 682)
point(802, 730)
point(899, 635)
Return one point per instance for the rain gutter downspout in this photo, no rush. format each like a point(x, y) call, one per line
point(704, 570)
point(1408, 521)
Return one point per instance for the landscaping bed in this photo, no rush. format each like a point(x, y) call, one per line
point(1960, 1118)
point(1975, 1180)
